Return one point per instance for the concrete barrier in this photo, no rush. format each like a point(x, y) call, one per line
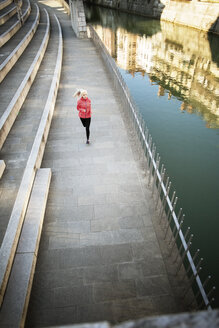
point(10, 241)
point(65, 5)
point(5, 3)
point(6, 16)
point(10, 114)
point(2, 167)
point(12, 58)
point(15, 27)
point(17, 296)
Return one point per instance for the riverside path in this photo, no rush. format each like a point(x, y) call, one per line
point(99, 257)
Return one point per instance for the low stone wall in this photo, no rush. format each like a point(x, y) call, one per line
point(200, 15)
point(78, 20)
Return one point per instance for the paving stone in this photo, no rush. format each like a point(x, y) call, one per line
point(57, 259)
point(96, 238)
point(125, 197)
point(153, 266)
point(69, 296)
point(126, 236)
point(56, 213)
point(154, 285)
point(51, 317)
point(95, 313)
point(113, 291)
point(134, 308)
point(70, 227)
point(59, 278)
point(104, 224)
point(165, 304)
point(145, 249)
point(131, 270)
point(91, 256)
point(98, 274)
point(60, 241)
point(116, 253)
point(131, 222)
point(91, 200)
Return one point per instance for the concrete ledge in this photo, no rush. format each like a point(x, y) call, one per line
point(6, 16)
point(15, 304)
point(2, 167)
point(15, 27)
point(10, 114)
point(10, 241)
point(5, 3)
point(65, 5)
point(9, 62)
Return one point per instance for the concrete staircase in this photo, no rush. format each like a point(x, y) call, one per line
point(30, 67)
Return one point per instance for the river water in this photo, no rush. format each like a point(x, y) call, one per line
point(173, 76)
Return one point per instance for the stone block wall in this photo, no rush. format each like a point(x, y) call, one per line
point(78, 19)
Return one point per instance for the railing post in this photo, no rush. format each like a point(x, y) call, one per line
point(163, 170)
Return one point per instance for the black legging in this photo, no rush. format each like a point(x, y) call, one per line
point(86, 124)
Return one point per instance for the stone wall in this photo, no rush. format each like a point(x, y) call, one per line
point(196, 14)
point(78, 19)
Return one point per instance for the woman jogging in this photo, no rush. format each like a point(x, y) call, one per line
point(84, 108)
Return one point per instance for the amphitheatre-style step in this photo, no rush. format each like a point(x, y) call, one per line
point(19, 286)
point(24, 148)
point(13, 49)
point(5, 3)
point(14, 91)
point(8, 12)
point(13, 25)
point(2, 167)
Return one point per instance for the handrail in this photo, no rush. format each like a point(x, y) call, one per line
point(158, 181)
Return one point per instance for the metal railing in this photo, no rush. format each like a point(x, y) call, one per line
point(160, 187)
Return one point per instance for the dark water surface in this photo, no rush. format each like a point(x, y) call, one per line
point(173, 76)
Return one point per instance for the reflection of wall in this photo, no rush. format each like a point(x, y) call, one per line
point(152, 8)
point(175, 66)
point(197, 14)
point(108, 38)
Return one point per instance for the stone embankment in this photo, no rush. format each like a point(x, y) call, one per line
point(196, 14)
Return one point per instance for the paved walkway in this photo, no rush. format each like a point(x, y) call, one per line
point(99, 257)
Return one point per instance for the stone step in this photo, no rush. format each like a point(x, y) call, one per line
point(17, 295)
point(14, 91)
point(5, 3)
point(11, 52)
point(8, 12)
point(2, 167)
point(14, 222)
point(13, 25)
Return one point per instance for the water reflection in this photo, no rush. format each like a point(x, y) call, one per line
point(177, 60)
